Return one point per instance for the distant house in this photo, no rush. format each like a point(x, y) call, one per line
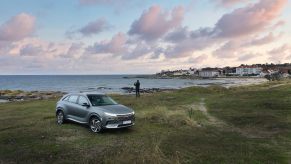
point(229, 71)
point(177, 73)
point(285, 70)
point(265, 73)
point(192, 71)
point(209, 72)
point(286, 75)
point(181, 72)
point(248, 70)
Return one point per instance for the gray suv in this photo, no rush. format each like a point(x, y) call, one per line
point(97, 110)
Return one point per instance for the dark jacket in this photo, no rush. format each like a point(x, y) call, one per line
point(137, 85)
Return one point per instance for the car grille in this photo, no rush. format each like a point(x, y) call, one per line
point(125, 117)
point(121, 118)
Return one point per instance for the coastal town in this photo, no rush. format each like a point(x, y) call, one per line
point(254, 70)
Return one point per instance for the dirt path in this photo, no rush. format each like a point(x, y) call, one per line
point(214, 121)
point(276, 86)
point(211, 119)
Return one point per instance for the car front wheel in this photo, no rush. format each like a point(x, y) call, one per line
point(95, 125)
point(60, 117)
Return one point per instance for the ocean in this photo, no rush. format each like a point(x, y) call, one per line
point(107, 83)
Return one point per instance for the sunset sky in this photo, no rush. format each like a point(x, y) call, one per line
point(135, 36)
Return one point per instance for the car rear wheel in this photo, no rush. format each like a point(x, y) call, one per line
point(60, 117)
point(95, 125)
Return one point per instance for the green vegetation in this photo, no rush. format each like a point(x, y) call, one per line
point(250, 124)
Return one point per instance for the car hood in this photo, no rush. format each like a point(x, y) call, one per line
point(116, 109)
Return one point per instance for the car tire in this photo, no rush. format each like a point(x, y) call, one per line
point(95, 125)
point(60, 117)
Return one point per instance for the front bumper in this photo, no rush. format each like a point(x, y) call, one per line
point(120, 121)
point(116, 126)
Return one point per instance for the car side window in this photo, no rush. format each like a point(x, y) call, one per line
point(66, 98)
point(73, 99)
point(82, 100)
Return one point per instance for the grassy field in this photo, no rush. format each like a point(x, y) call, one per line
point(250, 124)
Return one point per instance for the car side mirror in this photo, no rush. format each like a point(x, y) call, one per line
point(86, 105)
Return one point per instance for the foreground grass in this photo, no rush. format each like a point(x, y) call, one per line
point(241, 125)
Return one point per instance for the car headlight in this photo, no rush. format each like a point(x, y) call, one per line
point(110, 114)
point(132, 113)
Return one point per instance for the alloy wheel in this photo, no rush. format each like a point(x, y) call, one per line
point(95, 125)
point(60, 118)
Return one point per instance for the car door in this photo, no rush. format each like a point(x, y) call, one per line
point(72, 105)
point(82, 111)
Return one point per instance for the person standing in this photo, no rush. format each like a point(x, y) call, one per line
point(137, 88)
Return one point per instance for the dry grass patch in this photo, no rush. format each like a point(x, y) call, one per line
point(163, 115)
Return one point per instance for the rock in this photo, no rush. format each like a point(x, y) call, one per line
point(128, 89)
point(20, 96)
point(33, 95)
point(104, 88)
point(145, 90)
point(4, 97)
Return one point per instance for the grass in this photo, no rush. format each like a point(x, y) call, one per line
point(250, 124)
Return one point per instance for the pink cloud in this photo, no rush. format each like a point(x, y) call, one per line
point(248, 56)
point(263, 40)
point(115, 46)
point(95, 27)
point(198, 59)
point(17, 28)
point(235, 47)
point(74, 51)
point(140, 49)
point(248, 20)
point(238, 28)
point(280, 53)
point(228, 50)
point(31, 50)
point(155, 22)
point(280, 23)
point(177, 35)
point(228, 3)
point(120, 46)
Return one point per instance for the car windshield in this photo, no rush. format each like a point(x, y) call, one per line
point(101, 100)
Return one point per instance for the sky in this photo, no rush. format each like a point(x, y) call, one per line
point(140, 37)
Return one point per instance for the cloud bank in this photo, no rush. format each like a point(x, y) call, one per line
point(17, 27)
point(157, 37)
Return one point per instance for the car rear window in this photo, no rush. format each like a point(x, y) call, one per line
point(73, 99)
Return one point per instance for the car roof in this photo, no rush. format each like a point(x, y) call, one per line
point(86, 93)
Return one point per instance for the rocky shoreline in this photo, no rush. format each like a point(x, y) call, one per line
point(145, 90)
point(188, 77)
point(19, 95)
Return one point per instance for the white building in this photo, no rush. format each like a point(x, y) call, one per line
point(192, 71)
point(177, 73)
point(181, 72)
point(208, 73)
point(248, 70)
